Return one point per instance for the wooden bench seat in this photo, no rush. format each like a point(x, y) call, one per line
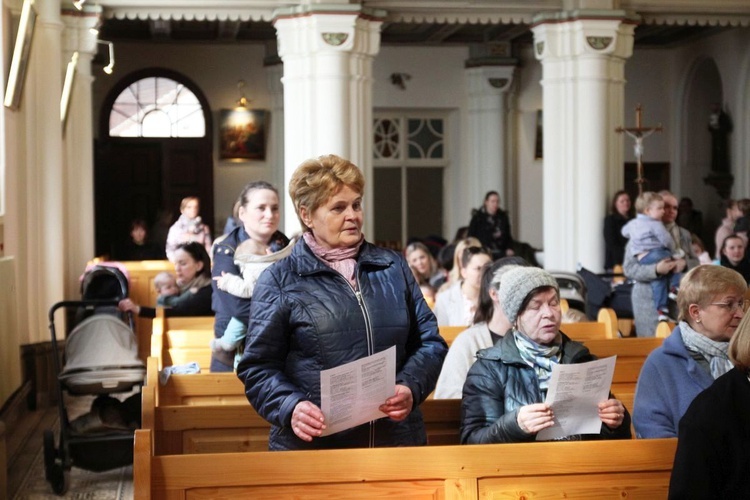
point(577, 469)
point(179, 340)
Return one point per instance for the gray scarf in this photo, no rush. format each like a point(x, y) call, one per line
point(714, 352)
point(540, 357)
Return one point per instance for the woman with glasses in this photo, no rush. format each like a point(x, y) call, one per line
point(711, 303)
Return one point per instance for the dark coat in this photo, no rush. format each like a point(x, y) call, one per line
point(305, 317)
point(500, 382)
point(614, 241)
point(493, 231)
point(190, 304)
point(712, 459)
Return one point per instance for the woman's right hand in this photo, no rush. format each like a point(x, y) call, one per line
point(127, 305)
point(533, 418)
point(307, 421)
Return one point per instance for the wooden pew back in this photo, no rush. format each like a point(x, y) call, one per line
point(449, 333)
point(180, 340)
point(577, 469)
point(142, 292)
point(604, 328)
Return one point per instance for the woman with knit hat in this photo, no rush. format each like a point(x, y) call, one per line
point(503, 397)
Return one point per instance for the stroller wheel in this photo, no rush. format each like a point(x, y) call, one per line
point(54, 472)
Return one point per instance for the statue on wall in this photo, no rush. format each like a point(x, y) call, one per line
point(720, 126)
point(720, 177)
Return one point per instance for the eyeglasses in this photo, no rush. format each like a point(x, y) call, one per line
point(733, 306)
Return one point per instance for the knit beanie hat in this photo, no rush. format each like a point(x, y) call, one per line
point(518, 283)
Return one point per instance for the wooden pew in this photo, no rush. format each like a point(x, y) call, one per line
point(631, 354)
point(575, 469)
point(179, 340)
point(604, 328)
point(142, 292)
point(449, 333)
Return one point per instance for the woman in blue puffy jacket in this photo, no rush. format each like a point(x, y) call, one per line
point(337, 299)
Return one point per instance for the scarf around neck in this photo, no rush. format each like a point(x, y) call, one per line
point(539, 357)
point(198, 282)
point(342, 260)
point(714, 352)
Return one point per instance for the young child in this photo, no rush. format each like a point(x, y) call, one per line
point(251, 265)
point(166, 286)
point(650, 242)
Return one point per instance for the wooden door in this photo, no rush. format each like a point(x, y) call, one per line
point(139, 178)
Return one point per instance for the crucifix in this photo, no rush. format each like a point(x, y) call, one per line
point(638, 133)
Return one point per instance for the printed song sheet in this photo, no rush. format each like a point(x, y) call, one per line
point(350, 394)
point(574, 393)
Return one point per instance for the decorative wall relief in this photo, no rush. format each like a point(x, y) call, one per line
point(599, 42)
point(335, 39)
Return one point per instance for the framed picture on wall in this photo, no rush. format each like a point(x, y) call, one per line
point(242, 134)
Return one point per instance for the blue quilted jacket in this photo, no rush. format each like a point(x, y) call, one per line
point(305, 317)
point(500, 382)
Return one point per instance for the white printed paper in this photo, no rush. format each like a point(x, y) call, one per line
point(351, 394)
point(574, 394)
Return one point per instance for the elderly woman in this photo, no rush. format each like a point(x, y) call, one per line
point(192, 267)
point(711, 303)
point(489, 326)
point(503, 397)
point(456, 305)
point(334, 300)
point(714, 435)
point(258, 234)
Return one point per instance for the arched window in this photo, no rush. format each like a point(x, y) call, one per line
point(157, 107)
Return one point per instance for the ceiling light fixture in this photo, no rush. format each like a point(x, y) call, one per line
point(109, 67)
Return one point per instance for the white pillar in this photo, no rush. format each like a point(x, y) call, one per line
point(327, 57)
point(78, 135)
point(487, 138)
point(583, 57)
point(42, 268)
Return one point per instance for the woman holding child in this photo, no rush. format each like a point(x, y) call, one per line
point(505, 389)
point(334, 300)
point(711, 304)
point(188, 292)
point(239, 257)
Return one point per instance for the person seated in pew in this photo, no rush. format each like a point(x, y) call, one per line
point(334, 300)
point(167, 289)
point(711, 304)
point(733, 255)
point(489, 326)
point(503, 397)
point(714, 434)
point(193, 271)
point(456, 305)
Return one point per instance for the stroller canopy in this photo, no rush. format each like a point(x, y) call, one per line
point(101, 356)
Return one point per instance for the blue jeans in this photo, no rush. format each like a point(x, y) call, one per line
point(661, 285)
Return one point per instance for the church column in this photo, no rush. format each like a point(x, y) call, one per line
point(488, 85)
point(42, 268)
point(79, 162)
point(583, 56)
point(327, 52)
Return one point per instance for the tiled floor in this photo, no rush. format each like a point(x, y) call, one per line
point(26, 463)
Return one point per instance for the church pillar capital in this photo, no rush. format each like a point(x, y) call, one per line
point(327, 53)
point(80, 29)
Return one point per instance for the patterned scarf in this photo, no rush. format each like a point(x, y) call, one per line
point(342, 260)
point(714, 352)
point(198, 282)
point(540, 357)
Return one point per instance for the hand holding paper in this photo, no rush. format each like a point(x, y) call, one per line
point(399, 406)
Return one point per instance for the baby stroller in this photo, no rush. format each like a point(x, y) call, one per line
point(100, 358)
point(572, 288)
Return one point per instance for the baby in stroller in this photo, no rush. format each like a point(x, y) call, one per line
point(251, 265)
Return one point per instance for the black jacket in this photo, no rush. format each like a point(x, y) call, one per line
point(712, 459)
point(614, 241)
point(500, 382)
point(305, 317)
point(492, 230)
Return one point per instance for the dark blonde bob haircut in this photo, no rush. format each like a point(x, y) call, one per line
point(739, 346)
point(316, 180)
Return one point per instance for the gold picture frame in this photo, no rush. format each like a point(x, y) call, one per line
point(21, 54)
point(242, 134)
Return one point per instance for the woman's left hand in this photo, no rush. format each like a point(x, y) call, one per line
point(398, 406)
point(612, 413)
